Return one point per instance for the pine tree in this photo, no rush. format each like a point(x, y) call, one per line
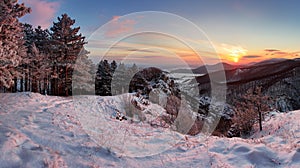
point(42, 44)
point(39, 70)
point(134, 69)
point(67, 44)
point(103, 78)
point(41, 40)
point(121, 76)
point(12, 48)
point(113, 66)
point(83, 75)
point(29, 36)
point(36, 66)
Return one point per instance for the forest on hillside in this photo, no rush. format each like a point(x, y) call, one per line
point(44, 60)
point(36, 59)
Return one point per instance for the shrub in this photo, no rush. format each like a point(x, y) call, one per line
point(249, 109)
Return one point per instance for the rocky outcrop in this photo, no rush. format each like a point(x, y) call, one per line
point(155, 85)
point(153, 81)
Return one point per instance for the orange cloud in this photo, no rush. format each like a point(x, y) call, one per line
point(118, 26)
point(281, 53)
point(43, 12)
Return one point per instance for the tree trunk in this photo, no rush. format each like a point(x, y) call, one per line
point(66, 83)
point(15, 85)
point(260, 119)
point(26, 80)
point(45, 87)
point(55, 86)
point(48, 85)
point(29, 81)
point(34, 86)
point(21, 82)
point(40, 86)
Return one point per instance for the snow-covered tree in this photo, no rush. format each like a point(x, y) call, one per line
point(41, 40)
point(29, 36)
point(39, 69)
point(120, 77)
point(134, 69)
point(113, 65)
point(83, 75)
point(103, 78)
point(43, 47)
point(66, 45)
point(35, 66)
point(12, 48)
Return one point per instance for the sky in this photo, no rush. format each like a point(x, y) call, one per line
point(238, 32)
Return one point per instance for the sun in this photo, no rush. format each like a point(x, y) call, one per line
point(236, 53)
point(233, 53)
point(235, 59)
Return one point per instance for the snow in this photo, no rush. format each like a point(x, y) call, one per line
point(79, 131)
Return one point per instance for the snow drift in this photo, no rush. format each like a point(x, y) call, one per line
point(46, 131)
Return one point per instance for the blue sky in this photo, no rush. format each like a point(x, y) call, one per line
point(251, 26)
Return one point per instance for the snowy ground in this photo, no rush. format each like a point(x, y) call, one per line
point(45, 131)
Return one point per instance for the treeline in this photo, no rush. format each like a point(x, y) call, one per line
point(36, 59)
point(113, 79)
point(52, 61)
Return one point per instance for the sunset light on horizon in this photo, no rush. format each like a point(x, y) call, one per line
point(241, 32)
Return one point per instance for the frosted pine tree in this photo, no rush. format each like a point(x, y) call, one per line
point(67, 44)
point(39, 70)
point(43, 51)
point(36, 66)
point(42, 40)
point(113, 66)
point(83, 75)
point(103, 78)
point(24, 67)
point(11, 40)
point(121, 75)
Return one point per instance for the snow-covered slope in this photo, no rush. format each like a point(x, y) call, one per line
point(44, 131)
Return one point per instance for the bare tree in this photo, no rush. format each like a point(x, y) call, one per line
point(250, 109)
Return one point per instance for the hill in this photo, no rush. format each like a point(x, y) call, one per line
point(79, 131)
point(279, 79)
point(205, 68)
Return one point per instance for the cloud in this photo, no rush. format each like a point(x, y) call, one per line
point(117, 26)
point(271, 50)
point(251, 56)
point(296, 54)
point(141, 50)
point(143, 57)
point(281, 53)
point(43, 12)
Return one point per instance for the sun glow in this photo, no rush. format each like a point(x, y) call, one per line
point(235, 59)
point(234, 53)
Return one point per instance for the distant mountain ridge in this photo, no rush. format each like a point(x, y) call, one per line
point(279, 79)
point(269, 61)
point(203, 69)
